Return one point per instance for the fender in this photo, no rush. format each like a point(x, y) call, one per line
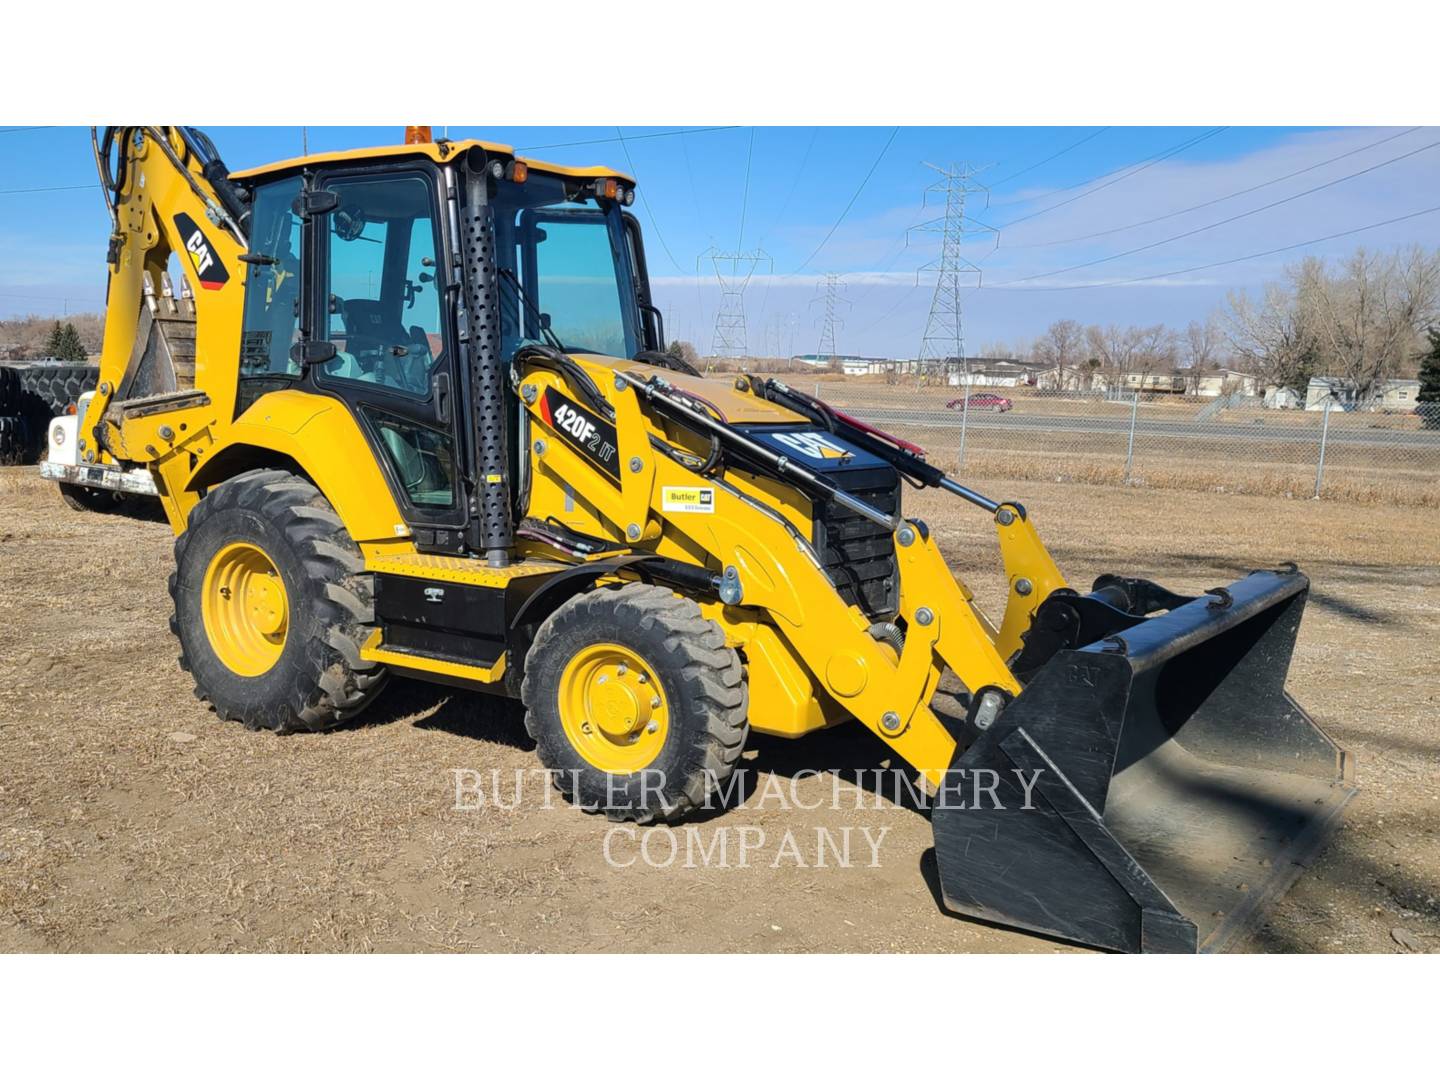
point(322, 437)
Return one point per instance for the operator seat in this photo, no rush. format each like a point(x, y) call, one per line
point(371, 329)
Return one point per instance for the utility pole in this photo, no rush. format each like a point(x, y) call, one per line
point(829, 320)
point(733, 270)
point(943, 345)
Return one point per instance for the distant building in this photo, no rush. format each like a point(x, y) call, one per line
point(1223, 382)
point(850, 365)
point(984, 371)
point(1283, 397)
point(1341, 393)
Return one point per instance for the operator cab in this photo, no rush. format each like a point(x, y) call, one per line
point(361, 286)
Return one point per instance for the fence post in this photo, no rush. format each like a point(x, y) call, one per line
point(964, 423)
point(1324, 434)
point(1130, 447)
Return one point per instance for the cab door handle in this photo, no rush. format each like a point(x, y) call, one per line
point(441, 391)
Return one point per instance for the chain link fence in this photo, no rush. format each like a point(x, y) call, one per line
point(1228, 444)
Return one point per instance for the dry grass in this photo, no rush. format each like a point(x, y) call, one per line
point(131, 819)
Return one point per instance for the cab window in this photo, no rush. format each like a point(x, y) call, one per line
point(272, 284)
point(383, 307)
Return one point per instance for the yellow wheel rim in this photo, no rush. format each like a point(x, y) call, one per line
point(613, 708)
point(245, 608)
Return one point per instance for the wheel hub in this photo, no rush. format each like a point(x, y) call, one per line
point(612, 708)
point(246, 609)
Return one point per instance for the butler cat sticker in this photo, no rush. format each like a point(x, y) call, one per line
point(688, 500)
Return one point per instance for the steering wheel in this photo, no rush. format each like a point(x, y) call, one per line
point(349, 222)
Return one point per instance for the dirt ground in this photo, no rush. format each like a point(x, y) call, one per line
point(131, 819)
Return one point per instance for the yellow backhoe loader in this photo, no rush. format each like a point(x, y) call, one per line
point(408, 411)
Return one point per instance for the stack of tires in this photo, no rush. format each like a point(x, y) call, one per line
point(31, 394)
point(14, 432)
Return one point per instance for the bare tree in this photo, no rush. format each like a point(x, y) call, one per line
point(1270, 338)
point(1155, 348)
point(1063, 347)
point(1369, 317)
point(1115, 347)
point(1200, 351)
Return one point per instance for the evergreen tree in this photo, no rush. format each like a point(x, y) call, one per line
point(56, 341)
point(1430, 381)
point(71, 348)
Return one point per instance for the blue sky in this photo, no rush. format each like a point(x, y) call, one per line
point(1060, 198)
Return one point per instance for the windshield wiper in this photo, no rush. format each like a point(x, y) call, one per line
point(550, 337)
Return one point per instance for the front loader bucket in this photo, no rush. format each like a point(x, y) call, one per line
point(1175, 788)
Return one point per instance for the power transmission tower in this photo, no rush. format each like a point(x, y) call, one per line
point(733, 270)
point(943, 347)
point(830, 321)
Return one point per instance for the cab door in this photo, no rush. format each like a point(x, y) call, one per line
point(380, 301)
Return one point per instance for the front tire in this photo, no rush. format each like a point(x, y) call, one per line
point(272, 606)
point(635, 703)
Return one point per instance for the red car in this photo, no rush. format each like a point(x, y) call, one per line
point(988, 402)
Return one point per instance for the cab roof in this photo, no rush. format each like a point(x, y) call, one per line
point(435, 151)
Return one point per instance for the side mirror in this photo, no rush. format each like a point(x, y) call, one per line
point(306, 353)
point(314, 202)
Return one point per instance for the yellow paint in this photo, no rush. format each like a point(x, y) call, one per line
point(613, 709)
point(1026, 560)
point(245, 608)
point(456, 570)
point(375, 652)
point(437, 152)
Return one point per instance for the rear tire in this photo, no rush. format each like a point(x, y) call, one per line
point(699, 724)
point(88, 499)
point(268, 542)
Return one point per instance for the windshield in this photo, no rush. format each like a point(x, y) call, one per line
point(564, 270)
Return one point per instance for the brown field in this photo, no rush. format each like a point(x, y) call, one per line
point(131, 819)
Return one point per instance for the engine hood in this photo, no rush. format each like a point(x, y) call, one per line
point(815, 448)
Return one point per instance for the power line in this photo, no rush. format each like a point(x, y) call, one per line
point(1222, 198)
point(873, 166)
point(630, 138)
point(37, 127)
point(1124, 174)
point(794, 184)
point(648, 212)
point(1052, 157)
point(745, 198)
point(34, 190)
point(1226, 221)
point(1231, 262)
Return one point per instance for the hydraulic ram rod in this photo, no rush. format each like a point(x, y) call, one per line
point(657, 390)
point(868, 438)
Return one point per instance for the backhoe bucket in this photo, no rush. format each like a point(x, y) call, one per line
point(1151, 792)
